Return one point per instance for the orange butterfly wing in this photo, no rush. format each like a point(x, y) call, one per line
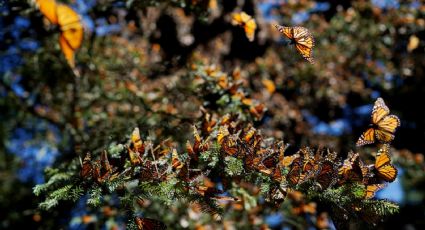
point(304, 42)
point(306, 52)
point(386, 128)
point(368, 137)
point(379, 111)
point(372, 189)
point(175, 162)
point(287, 31)
point(48, 9)
point(294, 175)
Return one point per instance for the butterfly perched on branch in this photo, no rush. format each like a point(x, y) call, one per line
point(383, 125)
point(353, 169)
point(301, 38)
point(70, 25)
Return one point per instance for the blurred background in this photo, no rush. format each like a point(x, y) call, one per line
point(135, 65)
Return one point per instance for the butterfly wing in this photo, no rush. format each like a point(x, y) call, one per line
point(175, 162)
point(136, 141)
point(327, 175)
point(306, 52)
point(48, 9)
point(250, 27)
point(387, 173)
point(149, 224)
point(382, 157)
point(87, 168)
point(372, 189)
point(286, 31)
point(304, 42)
point(379, 111)
point(67, 50)
point(368, 137)
point(386, 128)
point(294, 175)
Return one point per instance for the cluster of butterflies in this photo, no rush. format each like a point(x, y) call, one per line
point(319, 169)
point(155, 164)
point(230, 85)
point(69, 23)
point(299, 36)
point(325, 169)
point(382, 129)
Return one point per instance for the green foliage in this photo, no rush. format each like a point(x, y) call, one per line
point(234, 166)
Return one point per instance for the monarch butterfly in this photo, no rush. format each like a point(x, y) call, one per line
point(104, 161)
point(246, 22)
point(301, 38)
point(71, 28)
point(149, 224)
point(137, 142)
point(150, 172)
point(230, 145)
point(294, 175)
point(383, 125)
point(327, 175)
point(383, 167)
point(372, 189)
point(277, 195)
point(249, 134)
point(175, 162)
point(285, 161)
point(208, 122)
point(87, 167)
point(353, 169)
point(223, 132)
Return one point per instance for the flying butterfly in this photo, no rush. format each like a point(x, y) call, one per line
point(301, 38)
point(247, 22)
point(383, 125)
point(383, 167)
point(70, 25)
point(149, 224)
